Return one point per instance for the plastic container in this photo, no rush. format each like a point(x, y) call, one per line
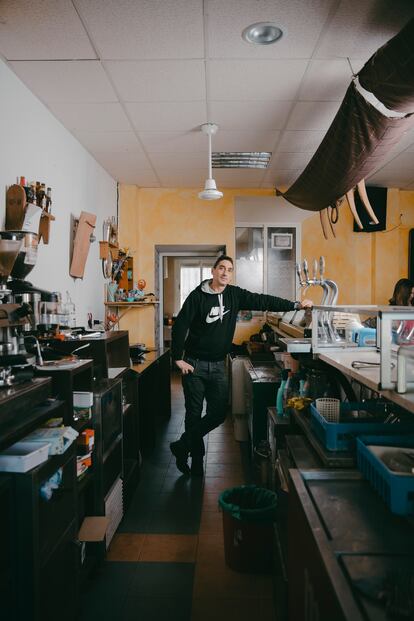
point(366, 337)
point(248, 516)
point(340, 436)
point(397, 490)
point(23, 456)
point(82, 399)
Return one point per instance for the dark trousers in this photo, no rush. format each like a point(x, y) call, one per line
point(209, 382)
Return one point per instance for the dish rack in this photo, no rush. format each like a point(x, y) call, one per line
point(340, 436)
point(397, 490)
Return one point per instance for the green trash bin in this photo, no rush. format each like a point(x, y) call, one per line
point(248, 516)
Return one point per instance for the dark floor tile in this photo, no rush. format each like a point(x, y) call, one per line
point(148, 482)
point(178, 512)
point(157, 609)
point(174, 480)
point(157, 580)
point(154, 609)
point(139, 513)
point(106, 592)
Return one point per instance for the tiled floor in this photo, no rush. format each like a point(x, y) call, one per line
point(167, 559)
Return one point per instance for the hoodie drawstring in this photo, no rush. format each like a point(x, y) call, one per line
point(221, 305)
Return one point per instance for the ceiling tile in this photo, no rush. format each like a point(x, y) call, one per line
point(313, 115)
point(404, 162)
point(163, 80)
point(243, 178)
point(91, 116)
point(302, 27)
point(358, 28)
point(390, 179)
point(145, 29)
point(168, 116)
point(183, 178)
point(174, 142)
point(300, 141)
point(129, 169)
point(131, 160)
point(180, 161)
point(246, 80)
point(280, 177)
point(290, 161)
point(41, 30)
point(78, 81)
point(108, 142)
point(326, 80)
point(250, 115)
point(238, 140)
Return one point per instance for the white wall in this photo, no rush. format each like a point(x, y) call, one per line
point(34, 144)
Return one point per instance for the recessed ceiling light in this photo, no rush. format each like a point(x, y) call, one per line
point(262, 33)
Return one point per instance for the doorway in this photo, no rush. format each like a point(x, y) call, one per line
point(179, 270)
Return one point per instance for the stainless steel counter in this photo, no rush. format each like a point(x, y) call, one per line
point(368, 377)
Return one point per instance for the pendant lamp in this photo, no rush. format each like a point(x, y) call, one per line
point(210, 192)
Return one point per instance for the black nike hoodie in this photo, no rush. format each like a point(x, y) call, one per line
point(205, 325)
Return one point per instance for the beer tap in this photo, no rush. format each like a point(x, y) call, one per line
point(330, 301)
point(310, 282)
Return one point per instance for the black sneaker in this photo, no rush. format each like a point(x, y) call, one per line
point(197, 467)
point(181, 455)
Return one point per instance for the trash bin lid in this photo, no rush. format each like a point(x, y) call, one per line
point(250, 503)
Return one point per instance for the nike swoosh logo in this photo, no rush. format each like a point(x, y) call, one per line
point(216, 317)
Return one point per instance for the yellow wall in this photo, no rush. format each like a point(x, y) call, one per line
point(365, 265)
point(150, 217)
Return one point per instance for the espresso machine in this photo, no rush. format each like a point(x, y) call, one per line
point(15, 363)
point(45, 305)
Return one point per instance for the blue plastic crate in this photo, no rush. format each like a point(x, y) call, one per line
point(397, 490)
point(341, 436)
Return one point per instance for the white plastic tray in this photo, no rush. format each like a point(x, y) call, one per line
point(23, 456)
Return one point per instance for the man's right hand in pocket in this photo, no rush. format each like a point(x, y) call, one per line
point(184, 367)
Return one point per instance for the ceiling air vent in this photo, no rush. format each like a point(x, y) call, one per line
point(257, 159)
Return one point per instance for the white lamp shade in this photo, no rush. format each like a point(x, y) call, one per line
point(210, 192)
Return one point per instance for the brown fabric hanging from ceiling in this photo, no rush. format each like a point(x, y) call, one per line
point(360, 136)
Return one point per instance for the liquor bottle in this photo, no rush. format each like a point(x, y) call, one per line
point(38, 197)
point(32, 193)
point(42, 196)
point(49, 199)
point(281, 390)
point(287, 394)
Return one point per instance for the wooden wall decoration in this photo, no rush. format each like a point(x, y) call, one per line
point(81, 243)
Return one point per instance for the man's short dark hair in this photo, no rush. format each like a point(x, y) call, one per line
point(224, 257)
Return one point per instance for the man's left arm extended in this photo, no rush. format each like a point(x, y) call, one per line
point(262, 302)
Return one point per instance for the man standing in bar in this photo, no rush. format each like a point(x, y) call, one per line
point(202, 336)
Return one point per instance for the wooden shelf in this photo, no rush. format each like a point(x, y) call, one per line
point(134, 304)
point(105, 248)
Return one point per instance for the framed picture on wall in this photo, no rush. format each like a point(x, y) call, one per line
point(283, 241)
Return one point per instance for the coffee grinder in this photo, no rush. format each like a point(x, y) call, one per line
point(44, 303)
point(14, 364)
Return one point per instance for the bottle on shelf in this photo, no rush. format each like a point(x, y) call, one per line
point(281, 390)
point(48, 199)
point(287, 393)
